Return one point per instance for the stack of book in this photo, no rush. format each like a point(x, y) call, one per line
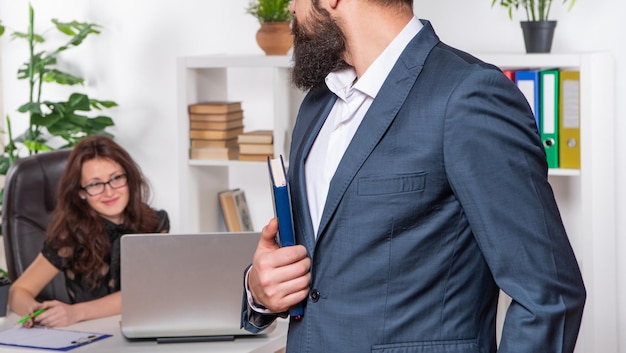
point(256, 145)
point(213, 129)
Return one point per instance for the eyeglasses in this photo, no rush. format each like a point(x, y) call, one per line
point(116, 182)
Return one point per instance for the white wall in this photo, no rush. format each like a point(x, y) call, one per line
point(133, 63)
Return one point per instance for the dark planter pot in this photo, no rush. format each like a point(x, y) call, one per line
point(538, 35)
point(4, 295)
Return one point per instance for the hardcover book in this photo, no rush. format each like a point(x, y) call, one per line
point(254, 157)
point(214, 143)
point(256, 148)
point(235, 210)
point(215, 125)
point(217, 117)
point(216, 107)
point(256, 136)
point(215, 134)
point(214, 153)
point(283, 211)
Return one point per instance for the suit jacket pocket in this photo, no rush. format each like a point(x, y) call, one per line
point(381, 185)
point(447, 346)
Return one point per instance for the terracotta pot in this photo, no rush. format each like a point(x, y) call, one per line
point(275, 38)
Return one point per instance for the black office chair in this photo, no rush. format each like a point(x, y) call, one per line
point(30, 194)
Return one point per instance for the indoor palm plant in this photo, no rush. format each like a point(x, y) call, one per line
point(274, 36)
point(536, 10)
point(52, 122)
point(538, 29)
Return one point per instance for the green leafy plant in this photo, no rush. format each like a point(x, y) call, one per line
point(50, 121)
point(5, 280)
point(536, 10)
point(270, 10)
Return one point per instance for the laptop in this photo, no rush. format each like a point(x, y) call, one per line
point(184, 287)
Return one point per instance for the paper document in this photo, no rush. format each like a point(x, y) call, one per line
point(48, 338)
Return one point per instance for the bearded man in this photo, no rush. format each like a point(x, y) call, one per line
point(419, 190)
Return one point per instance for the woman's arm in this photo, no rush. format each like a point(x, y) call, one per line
point(61, 314)
point(106, 306)
point(24, 290)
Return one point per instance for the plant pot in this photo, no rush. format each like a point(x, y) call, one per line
point(275, 38)
point(5, 283)
point(538, 35)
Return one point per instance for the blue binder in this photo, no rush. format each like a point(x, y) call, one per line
point(528, 83)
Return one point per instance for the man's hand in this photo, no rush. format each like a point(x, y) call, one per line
point(279, 277)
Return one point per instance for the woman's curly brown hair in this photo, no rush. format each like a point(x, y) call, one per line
point(77, 232)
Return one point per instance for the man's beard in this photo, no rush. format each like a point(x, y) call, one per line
point(317, 49)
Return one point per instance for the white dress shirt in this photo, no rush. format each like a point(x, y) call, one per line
point(355, 95)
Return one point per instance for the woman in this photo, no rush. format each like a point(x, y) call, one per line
point(102, 196)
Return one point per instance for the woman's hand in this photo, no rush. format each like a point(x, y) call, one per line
point(34, 310)
point(57, 314)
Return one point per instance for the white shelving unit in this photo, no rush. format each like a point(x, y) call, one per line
point(262, 84)
point(585, 197)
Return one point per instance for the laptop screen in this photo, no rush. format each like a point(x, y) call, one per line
point(182, 285)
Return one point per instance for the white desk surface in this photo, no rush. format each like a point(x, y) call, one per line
point(270, 343)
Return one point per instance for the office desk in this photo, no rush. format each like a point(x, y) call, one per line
point(270, 343)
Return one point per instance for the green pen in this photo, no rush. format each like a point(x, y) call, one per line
point(28, 317)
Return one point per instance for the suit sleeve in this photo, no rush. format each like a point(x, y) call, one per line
point(497, 168)
point(251, 320)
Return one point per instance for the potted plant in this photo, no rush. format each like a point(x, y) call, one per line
point(51, 124)
point(538, 29)
point(274, 36)
point(5, 283)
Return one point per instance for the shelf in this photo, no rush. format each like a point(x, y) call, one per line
point(506, 61)
point(235, 163)
point(232, 61)
point(224, 163)
point(564, 172)
point(269, 101)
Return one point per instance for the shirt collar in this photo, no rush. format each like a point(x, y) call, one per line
point(341, 82)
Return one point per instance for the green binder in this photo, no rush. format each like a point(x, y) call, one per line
point(549, 105)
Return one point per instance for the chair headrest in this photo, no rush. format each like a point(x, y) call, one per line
point(35, 178)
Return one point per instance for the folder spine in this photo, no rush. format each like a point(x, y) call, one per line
point(569, 122)
point(528, 83)
point(550, 115)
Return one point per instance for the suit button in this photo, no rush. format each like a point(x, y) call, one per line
point(314, 295)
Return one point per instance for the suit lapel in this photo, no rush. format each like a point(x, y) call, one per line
point(379, 117)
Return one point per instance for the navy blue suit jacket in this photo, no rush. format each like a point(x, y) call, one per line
point(441, 199)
